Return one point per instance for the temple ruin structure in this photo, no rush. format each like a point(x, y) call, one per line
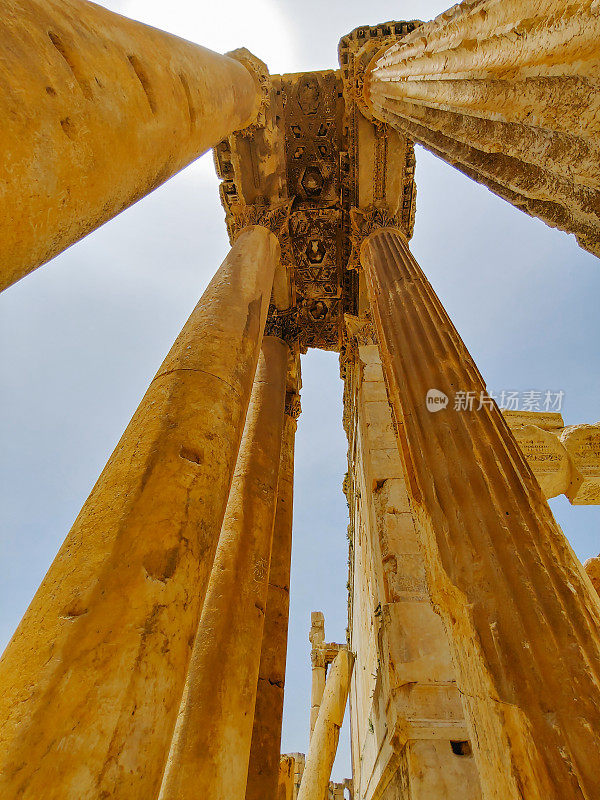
point(151, 661)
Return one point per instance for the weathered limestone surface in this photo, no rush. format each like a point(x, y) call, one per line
point(582, 442)
point(211, 744)
point(506, 91)
point(93, 677)
point(523, 622)
point(98, 110)
point(405, 707)
point(290, 775)
point(264, 766)
point(565, 460)
point(324, 741)
point(318, 666)
point(592, 567)
point(285, 784)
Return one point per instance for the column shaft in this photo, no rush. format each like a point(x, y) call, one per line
point(318, 668)
point(317, 688)
point(592, 568)
point(92, 679)
point(97, 111)
point(523, 623)
point(263, 769)
point(324, 741)
point(508, 93)
point(211, 745)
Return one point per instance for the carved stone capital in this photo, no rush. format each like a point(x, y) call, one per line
point(260, 72)
point(360, 329)
point(361, 48)
point(283, 324)
point(293, 407)
point(274, 217)
point(363, 222)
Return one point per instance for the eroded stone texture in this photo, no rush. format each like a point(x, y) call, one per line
point(565, 460)
point(507, 93)
point(264, 765)
point(592, 567)
point(92, 679)
point(523, 623)
point(406, 710)
point(290, 775)
point(98, 110)
point(211, 744)
point(582, 442)
point(324, 741)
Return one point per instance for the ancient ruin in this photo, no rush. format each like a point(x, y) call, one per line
point(151, 662)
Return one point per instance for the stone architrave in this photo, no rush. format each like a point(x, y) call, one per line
point(565, 460)
point(547, 457)
point(93, 677)
point(582, 443)
point(97, 111)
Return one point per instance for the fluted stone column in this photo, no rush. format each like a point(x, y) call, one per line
point(264, 765)
point(92, 679)
point(507, 92)
point(98, 110)
point(211, 744)
point(324, 741)
point(523, 622)
point(592, 567)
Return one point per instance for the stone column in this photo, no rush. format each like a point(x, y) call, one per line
point(211, 744)
point(285, 785)
point(522, 620)
point(317, 660)
point(92, 679)
point(264, 765)
point(324, 741)
point(507, 92)
point(592, 567)
point(97, 111)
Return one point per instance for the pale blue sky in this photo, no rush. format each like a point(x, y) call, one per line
point(81, 338)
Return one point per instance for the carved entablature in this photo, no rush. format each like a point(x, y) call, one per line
point(308, 169)
point(379, 165)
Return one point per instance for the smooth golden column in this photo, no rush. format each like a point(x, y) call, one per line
point(211, 745)
point(98, 110)
point(508, 93)
point(326, 733)
point(264, 764)
point(522, 619)
point(93, 677)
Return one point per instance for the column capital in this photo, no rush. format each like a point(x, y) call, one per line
point(364, 222)
point(260, 73)
point(273, 216)
point(360, 50)
point(293, 407)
